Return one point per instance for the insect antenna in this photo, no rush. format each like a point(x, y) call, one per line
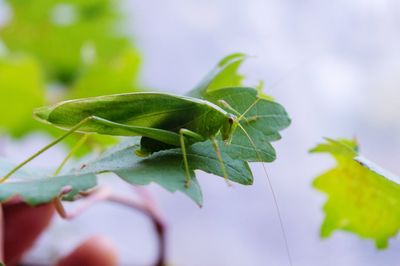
point(228, 106)
point(269, 182)
point(242, 116)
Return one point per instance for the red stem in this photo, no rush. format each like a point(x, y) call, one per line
point(146, 207)
point(158, 224)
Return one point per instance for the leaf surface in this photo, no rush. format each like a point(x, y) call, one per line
point(261, 123)
point(166, 168)
point(36, 187)
point(225, 74)
point(362, 198)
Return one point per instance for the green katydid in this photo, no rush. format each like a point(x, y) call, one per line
point(160, 118)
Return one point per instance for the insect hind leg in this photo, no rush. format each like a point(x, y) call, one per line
point(53, 143)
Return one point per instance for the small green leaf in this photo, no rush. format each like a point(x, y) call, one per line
point(35, 187)
point(362, 198)
point(223, 75)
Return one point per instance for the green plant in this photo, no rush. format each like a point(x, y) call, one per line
point(65, 49)
point(261, 119)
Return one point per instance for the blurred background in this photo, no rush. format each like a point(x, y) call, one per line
point(334, 66)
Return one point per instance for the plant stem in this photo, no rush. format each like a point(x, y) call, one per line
point(146, 207)
point(158, 224)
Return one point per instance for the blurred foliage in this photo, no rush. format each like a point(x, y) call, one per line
point(72, 39)
point(362, 198)
point(62, 49)
point(21, 85)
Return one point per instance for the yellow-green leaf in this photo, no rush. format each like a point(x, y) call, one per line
point(362, 198)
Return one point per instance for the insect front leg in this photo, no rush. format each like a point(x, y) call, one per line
point(221, 161)
point(189, 133)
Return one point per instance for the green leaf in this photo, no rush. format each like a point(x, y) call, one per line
point(202, 156)
point(265, 120)
point(20, 78)
point(123, 161)
point(262, 122)
point(35, 187)
point(166, 168)
point(225, 74)
point(362, 198)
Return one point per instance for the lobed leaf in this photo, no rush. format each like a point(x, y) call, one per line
point(122, 160)
point(166, 167)
point(262, 121)
point(36, 187)
point(362, 198)
point(225, 74)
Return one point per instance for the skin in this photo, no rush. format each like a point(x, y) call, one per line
point(95, 251)
point(18, 237)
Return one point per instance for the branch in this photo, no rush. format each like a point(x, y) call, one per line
point(146, 207)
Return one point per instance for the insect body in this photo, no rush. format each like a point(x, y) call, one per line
point(160, 118)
